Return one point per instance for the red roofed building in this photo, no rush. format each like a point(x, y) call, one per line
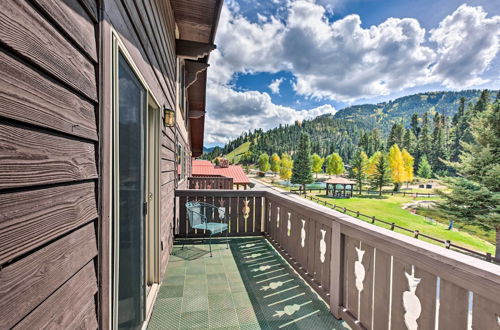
point(204, 168)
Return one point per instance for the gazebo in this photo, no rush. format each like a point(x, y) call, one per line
point(345, 183)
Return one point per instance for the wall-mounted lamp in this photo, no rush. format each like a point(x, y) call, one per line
point(169, 117)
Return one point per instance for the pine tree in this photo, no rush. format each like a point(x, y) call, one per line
point(415, 126)
point(317, 164)
point(408, 165)
point(359, 170)
point(482, 103)
point(396, 164)
point(381, 175)
point(264, 163)
point(438, 152)
point(275, 163)
point(335, 165)
point(424, 168)
point(286, 167)
point(475, 195)
point(410, 141)
point(424, 139)
point(302, 169)
point(397, 134)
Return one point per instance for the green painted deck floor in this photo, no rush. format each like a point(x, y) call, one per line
point(248, 286)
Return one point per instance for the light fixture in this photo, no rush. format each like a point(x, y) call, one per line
point(169, 116)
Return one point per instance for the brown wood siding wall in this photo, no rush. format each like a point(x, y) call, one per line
point(147, 30)
point(48, 164)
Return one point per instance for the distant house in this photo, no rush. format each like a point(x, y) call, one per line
point(204, 168)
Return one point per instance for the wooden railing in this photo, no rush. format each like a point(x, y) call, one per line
point(243, 208)
point(370, 276)
point(210, 182)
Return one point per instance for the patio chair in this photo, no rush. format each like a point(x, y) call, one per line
point(207, 217)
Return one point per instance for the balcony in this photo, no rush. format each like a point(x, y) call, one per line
point(320, 267)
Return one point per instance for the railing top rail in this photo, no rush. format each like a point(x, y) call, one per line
point(218, 193)
point(451, 265)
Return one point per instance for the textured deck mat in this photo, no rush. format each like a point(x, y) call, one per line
point(248, 286)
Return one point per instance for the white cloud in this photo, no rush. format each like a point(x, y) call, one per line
point(343, 61)
point(274, 86)
point(339, 60)
point(233, 112)
point(467, 42)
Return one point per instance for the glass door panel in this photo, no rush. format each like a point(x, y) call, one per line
point(132, 113)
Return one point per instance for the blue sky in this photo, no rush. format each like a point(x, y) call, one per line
point(278, 61)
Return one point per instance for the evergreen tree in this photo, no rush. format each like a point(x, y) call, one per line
point(275, 163)
point(475, 195)
point(396, 164)
point(317, 164)
point(415, 126)
point(424, 139)
point(408, 165)
point(335, 165)
point(424, 168)
point(359, 169)
point(302, 169)
point(483, 102)
point(264, 163)
point(397, 134)
point(438, 152)
point(410, 141)
point(286, 167)
point(381, 175)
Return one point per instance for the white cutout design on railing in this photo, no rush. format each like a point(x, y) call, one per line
point(498, 320)
point(322, 246)
point(359, 270)
point(411, 303)
point(245, 209)
point(278, 217)
point(269, 208)
point(303, 233)
point(289, 225)
point(222, 212)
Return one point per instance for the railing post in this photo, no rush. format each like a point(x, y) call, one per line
point(336, 270)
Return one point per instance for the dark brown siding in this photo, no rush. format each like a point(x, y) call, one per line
point(48, 164)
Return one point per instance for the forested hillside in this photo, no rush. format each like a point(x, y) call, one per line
point(368, 127)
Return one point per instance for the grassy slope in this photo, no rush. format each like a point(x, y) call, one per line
point(234, 156)
point(388, 208)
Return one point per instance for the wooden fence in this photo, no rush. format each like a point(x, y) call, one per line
point(448, 244)
point(210, 182)
point(373, 278)
point(372, 192)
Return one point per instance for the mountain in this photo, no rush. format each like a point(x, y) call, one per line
point(383, 115)
point(208, 150)
point(350, 127)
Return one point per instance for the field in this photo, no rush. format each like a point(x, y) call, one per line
point(234, 156)
point(389, 208)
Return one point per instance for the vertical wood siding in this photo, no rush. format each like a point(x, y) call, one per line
point(48, 164)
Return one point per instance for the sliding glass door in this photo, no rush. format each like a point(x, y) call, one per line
point(131, 179)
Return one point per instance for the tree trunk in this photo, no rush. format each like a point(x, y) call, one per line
point(380, 191)
point(497, 249)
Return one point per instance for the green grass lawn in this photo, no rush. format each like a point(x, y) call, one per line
point(389, 208)
point(234, 156)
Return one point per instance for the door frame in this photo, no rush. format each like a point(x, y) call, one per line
point(117, 47)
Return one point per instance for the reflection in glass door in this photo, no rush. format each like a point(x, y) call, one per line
point(130, 201)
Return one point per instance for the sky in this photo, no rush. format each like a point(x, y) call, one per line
point(278, 61)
